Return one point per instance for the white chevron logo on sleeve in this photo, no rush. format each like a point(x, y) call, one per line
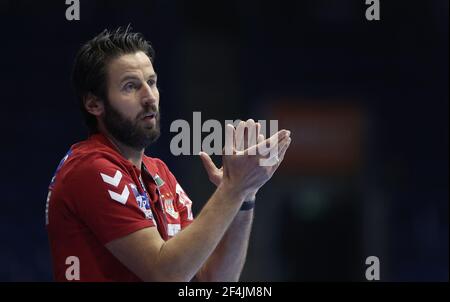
point(112, 180)
point(122, 198)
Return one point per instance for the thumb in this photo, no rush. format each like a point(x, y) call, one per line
point(209, 165)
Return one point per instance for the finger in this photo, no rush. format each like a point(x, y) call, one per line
point(273, 142)
point(283, 150)
point(270, 156)
point(260, 138)
point(246, 135)
point(209, 165)
point(252, 133)
point(240, 136)
point(250, 139)
point(229, 139)
point(274, 155)
point(258, 129)
point(280, 159)
point(258, 134)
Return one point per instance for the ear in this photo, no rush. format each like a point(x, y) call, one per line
point(93, 105)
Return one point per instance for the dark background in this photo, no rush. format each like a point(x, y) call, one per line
point(369, 100)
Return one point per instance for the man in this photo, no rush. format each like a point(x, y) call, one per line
point(122, 215)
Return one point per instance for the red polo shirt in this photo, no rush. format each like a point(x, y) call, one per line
point(96, 196)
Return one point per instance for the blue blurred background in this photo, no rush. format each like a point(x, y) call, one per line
point(367, 102)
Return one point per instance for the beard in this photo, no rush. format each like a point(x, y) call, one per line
point(132, 132)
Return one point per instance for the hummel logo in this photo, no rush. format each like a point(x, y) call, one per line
point(122, 198)
point(114, 181)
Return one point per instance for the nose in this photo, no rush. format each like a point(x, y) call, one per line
point(149, 95)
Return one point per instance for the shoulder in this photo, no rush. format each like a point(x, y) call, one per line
point(86, 167)
point(154, 161)
point(157, 164)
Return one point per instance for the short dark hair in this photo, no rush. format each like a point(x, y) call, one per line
point(89, 70)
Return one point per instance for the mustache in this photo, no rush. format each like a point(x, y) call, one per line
point(152, 109)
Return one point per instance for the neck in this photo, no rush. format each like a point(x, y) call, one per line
point(131, 154)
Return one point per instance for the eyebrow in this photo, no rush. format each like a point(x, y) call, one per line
point(133, 77)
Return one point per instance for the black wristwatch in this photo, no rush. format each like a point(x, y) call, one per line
point(247, 205)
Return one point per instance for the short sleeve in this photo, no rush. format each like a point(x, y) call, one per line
point(182, 201)
point(184, 206)
point(108, 202)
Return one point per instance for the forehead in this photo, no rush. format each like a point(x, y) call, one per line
point(135, 63)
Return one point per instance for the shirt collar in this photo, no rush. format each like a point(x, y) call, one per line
point(146, 161)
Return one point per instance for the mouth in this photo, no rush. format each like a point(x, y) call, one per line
point(149, 116)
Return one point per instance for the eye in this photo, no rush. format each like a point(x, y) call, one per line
point(129, 86)
point(151, 82)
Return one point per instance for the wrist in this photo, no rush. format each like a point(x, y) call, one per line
point(232, 192)
point(250, 197)
point(248, 204)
